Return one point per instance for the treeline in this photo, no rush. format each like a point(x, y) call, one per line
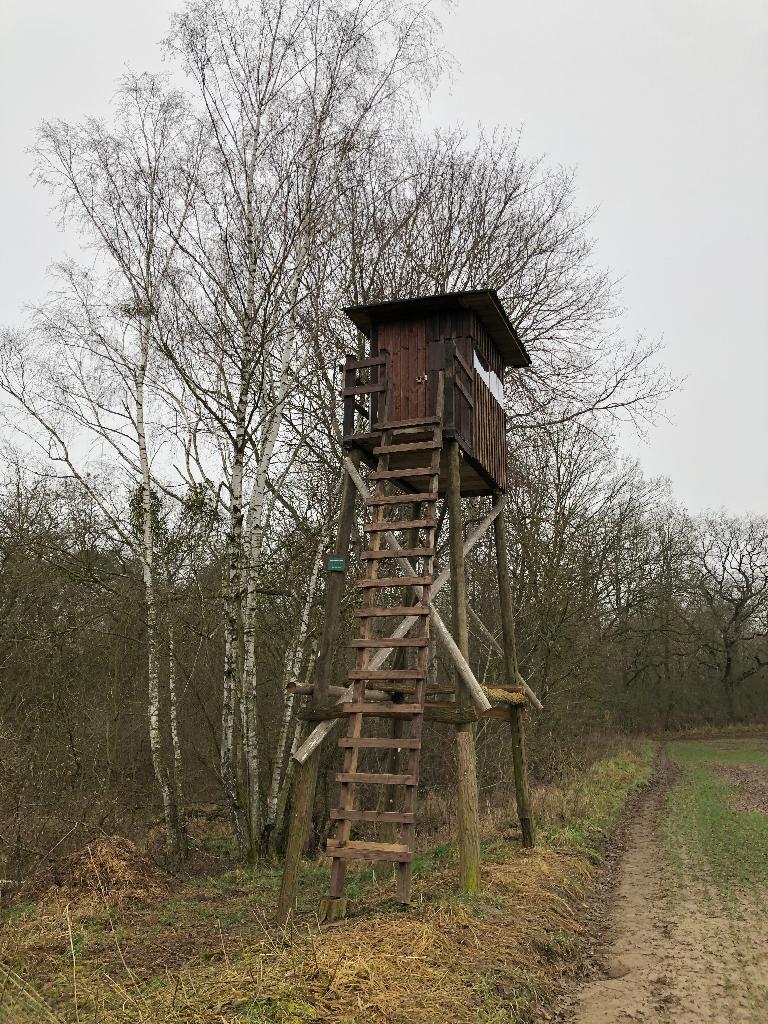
point(172, 444)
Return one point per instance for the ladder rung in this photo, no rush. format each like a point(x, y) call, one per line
point(408, 689)
point(401, 524)
point(386, 673)
point(396, 425)
point(411, 446)
point(402, 553)
point(398, 474)
point(396, 581)
point(380, 742)
point(383, 708)
point(404, 641)
point(402, 499)
point(363, 389)
point(377, 778)
point(396, 609)
point(400, 817)
point(353, 850)
point(362, 364)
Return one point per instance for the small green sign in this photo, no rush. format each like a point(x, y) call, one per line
point(337, 564)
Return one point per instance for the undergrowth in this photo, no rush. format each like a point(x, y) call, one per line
point(582, 814)
point(207, 951)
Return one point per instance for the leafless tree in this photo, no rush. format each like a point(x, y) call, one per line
point(733, 583)
point(83, 374)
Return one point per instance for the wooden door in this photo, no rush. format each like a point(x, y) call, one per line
point(406, 344)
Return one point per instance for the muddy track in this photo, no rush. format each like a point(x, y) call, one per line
point(664, 948)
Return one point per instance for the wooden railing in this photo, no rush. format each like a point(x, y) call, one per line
point(356, 389)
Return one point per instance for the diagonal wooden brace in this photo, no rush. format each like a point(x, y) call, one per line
point(496, 646)
point(441, 580)
point(319, 733)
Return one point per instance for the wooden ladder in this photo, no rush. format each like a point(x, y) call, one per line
point(384, 600)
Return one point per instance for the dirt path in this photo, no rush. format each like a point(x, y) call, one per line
point(674, 952)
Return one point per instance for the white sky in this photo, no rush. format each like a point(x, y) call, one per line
point(663, 107)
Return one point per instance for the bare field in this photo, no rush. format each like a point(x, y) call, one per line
point(687, 938)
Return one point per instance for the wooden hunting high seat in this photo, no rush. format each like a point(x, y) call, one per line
point(424, 410)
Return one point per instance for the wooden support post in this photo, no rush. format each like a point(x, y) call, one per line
point(334, 585)
point(468, 797)
point(304, 784)
point(305, 779)
point(510, 667)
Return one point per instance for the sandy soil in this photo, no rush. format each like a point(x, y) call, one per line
point(674, 953)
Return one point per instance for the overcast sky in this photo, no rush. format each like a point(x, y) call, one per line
point(662, 105)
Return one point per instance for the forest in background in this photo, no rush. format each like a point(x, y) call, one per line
point(171, 446)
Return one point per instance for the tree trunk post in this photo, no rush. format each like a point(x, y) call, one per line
point(305, 779)
point(519, 759)
point(466, 758)
point(334, 587)
point(304, 784)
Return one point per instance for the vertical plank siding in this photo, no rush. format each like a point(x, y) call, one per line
point(489, 441)
point(417, 350)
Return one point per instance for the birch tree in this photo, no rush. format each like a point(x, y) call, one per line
point(283, 89)
point(84, 374)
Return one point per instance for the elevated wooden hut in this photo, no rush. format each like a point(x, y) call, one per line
point(467, 336)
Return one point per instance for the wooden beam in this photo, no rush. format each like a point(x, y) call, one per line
point(468, 798)
point(302, 803)
point(465, 673)
point(461, 665)
point(319, 734)
point(519, 759)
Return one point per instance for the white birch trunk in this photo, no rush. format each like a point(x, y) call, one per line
point(153, 661)
point(232, 613)
point(254, 542)
point(292, 675)
point(178, 764)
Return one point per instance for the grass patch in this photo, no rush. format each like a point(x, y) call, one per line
point(581, 814)
point(206, 950)
point(508, 997)
point(710, 752)
point(700, 827)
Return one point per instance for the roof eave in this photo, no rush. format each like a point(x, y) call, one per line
point(485, 303)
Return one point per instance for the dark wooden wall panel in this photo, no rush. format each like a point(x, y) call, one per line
point(418, 349)
point(490, 441)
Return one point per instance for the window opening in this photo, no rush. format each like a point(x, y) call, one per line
point(491, 379)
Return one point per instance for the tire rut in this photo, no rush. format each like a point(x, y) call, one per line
point(672, 952)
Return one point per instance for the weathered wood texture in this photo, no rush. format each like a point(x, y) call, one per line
point(408, 679)
point(321, 732)
point(489, 441)
point(519, 759)
point(417, 351)
point(468, 802)
point(302, 802)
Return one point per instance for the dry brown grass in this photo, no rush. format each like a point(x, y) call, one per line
point(133, 950)
point(440, 960)
point(111, 869)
